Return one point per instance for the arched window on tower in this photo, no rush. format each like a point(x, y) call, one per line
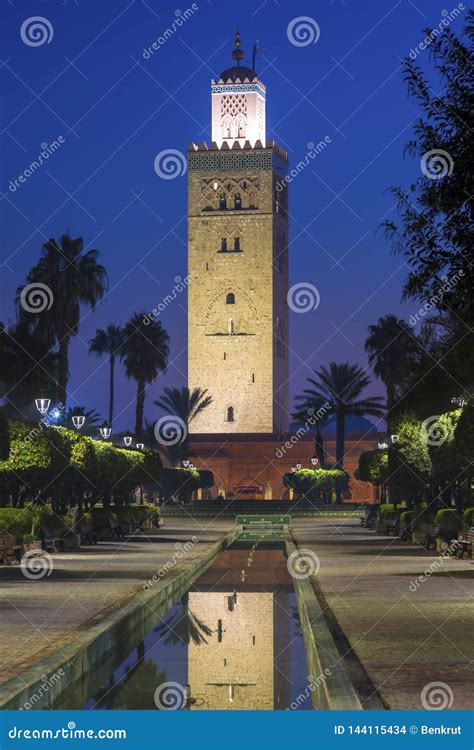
point(241, 129)
point(222, 201)
point(230, 413)
point(236, 244)
point(223, 244)
point(237, 201)
point(230, 299)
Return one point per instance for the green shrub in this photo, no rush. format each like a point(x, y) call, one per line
point(386, 508)
point(17, 521)
point(450, 520)
point(426, 516)
point(469, 517)
point(406, 516)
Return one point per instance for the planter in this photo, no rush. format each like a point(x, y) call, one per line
point(32, 545)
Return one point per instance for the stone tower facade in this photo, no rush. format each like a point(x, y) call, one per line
point(238, 264)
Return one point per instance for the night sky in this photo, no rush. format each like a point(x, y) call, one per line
point(116, 110)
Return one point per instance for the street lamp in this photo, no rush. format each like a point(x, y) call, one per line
point(394, 438)
point(42, 404)
point(127, 439)
point(140, 446)
point(185, 464)
point(314, 461)
point(298, 467)
point(78, 421)
point(105, 431)
point(293, 469)
point(382, 446)
point(458, 401)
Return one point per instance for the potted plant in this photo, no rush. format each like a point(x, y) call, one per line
point(30, 541)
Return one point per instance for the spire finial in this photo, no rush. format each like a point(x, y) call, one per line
point(238, 54)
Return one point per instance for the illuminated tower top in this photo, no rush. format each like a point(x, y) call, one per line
point(238, 104)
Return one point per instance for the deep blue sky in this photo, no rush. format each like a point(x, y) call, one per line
point(124, 109)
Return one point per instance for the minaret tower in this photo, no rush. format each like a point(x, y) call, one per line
point(238, 263)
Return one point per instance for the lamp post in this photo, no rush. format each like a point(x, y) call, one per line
point(313, 461)
point(458, 401)
point(382, 446)
point(127, 439)
point(185, 464)
point(140, 446)
point(298, 467)
point(42, 404)
point(78, 421)
point(105, 431)
point(394, 439)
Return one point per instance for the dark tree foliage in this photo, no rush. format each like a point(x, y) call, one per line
point(436, 230)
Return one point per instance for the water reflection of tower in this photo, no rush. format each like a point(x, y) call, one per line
point(244, 664)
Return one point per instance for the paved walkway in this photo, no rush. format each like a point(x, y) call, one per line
point(38, 617)
point(405, 638)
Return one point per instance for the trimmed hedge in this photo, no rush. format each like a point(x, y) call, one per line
point(469, 517)
point(450, 520)
point(406, 516)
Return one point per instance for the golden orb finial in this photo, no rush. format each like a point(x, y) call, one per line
point(238, 54)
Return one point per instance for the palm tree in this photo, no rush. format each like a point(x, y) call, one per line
point(186, 405)
point(108, 342)
point(27, 370)
point(391, 347)
point(74, 278)
point(144, 351)
point(340, 386)
point(311, 414)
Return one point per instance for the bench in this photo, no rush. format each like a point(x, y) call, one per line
point(52, 541)
point(368, 519)
point(464, 544)
point(117, 530)
point(87, 533)
point(10, 549)
point(391, 526)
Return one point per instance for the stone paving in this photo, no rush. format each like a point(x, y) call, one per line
point(38, 617)
point(405, 639)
